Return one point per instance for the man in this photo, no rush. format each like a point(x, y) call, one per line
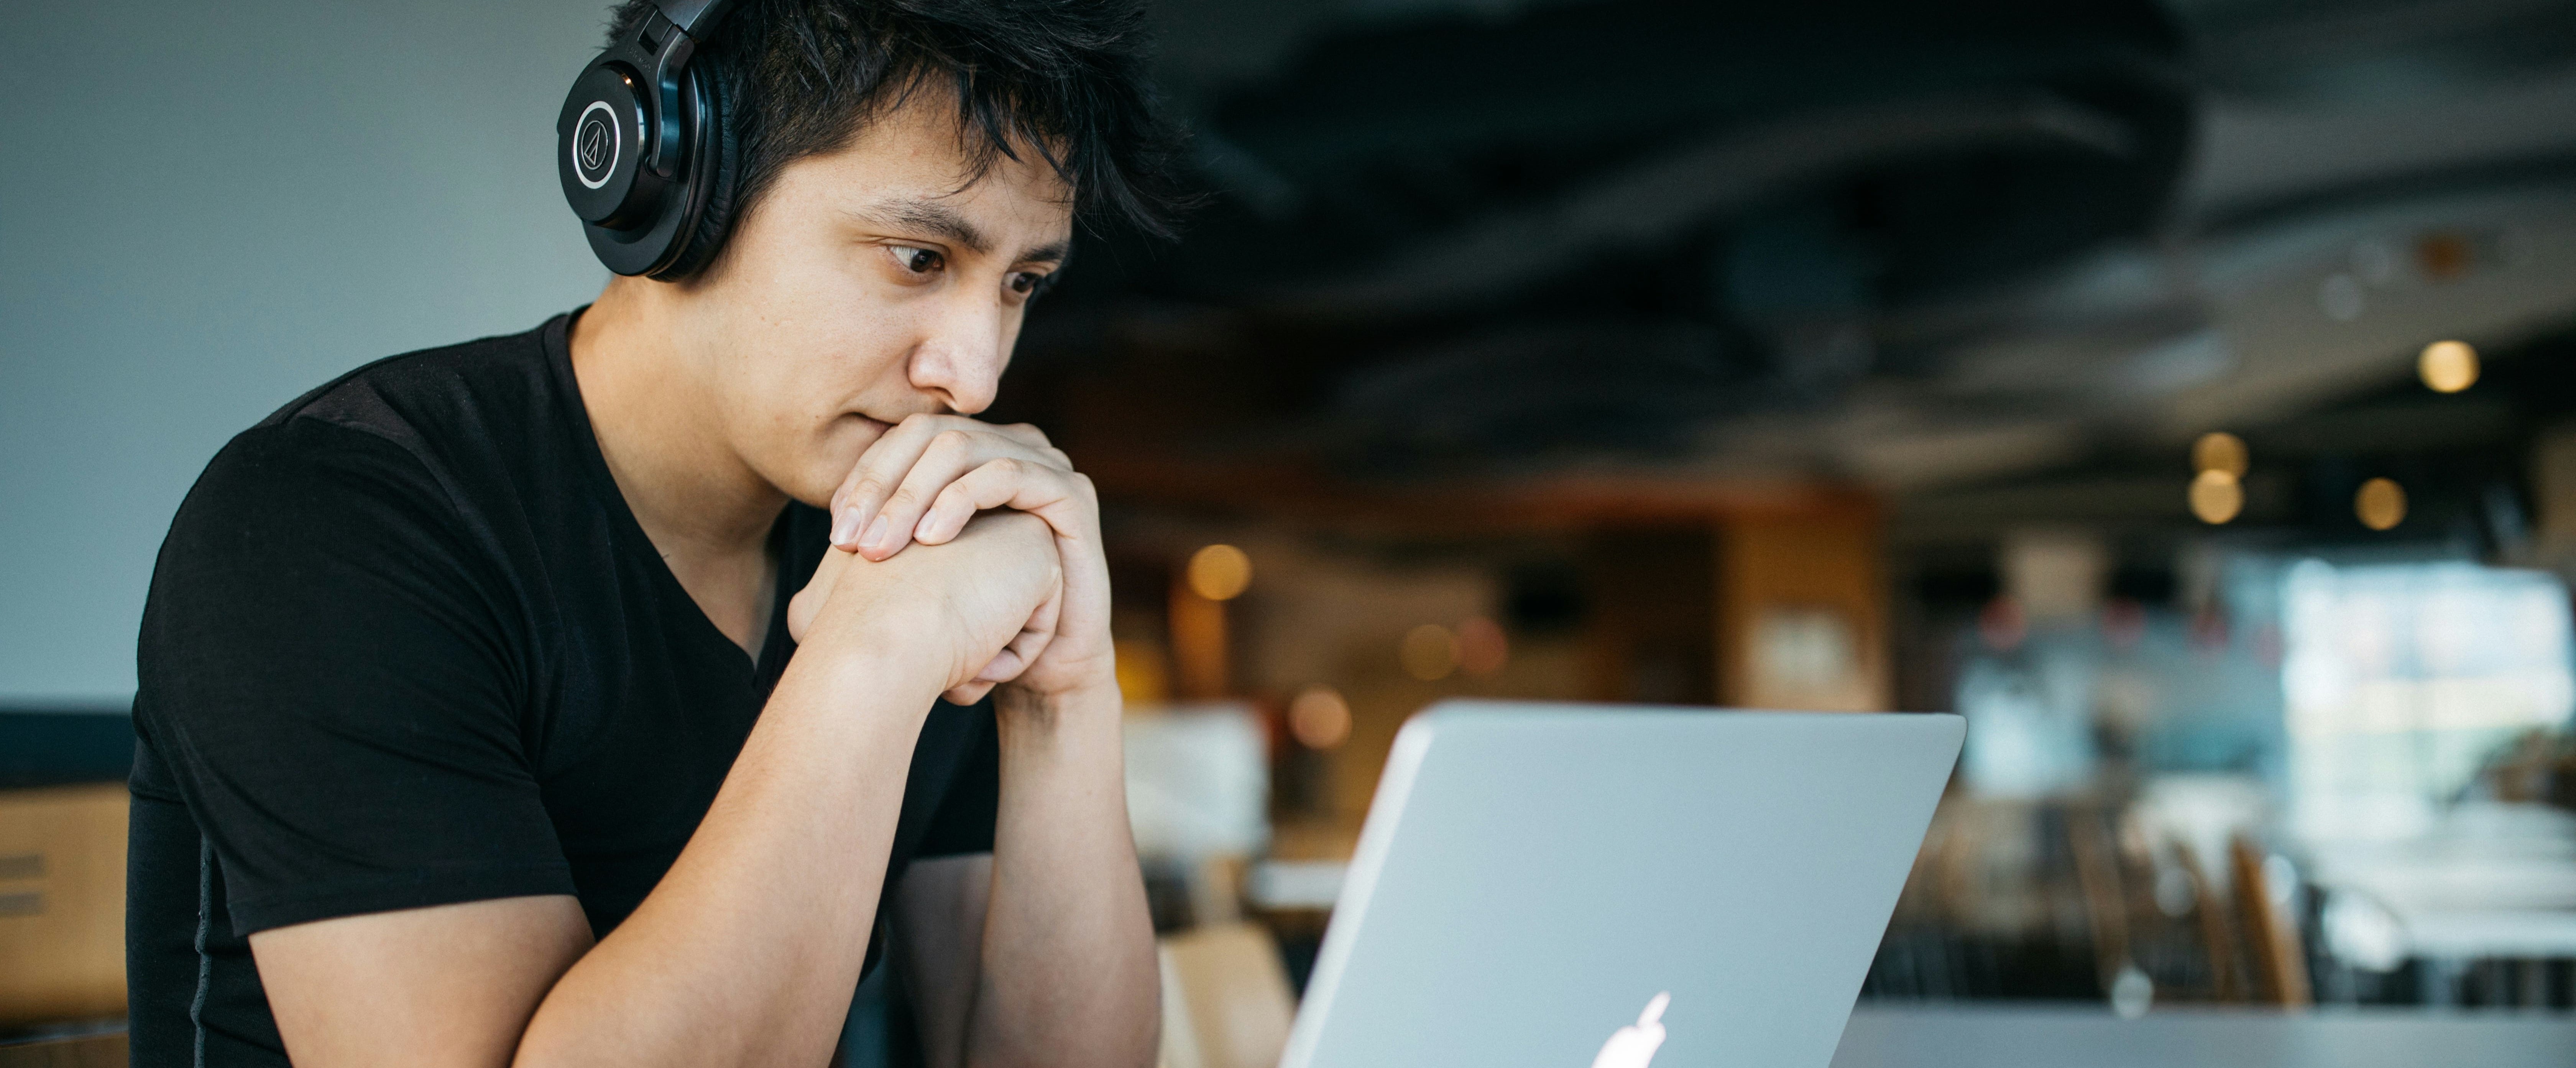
point(574, 697)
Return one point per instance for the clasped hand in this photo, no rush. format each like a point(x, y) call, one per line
point(1012, 613)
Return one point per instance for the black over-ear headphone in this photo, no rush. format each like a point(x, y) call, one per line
point(642, 145)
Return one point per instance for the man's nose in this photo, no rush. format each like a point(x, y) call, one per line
point(961, 356)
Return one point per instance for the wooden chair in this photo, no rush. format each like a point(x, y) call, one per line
point(2217, 930)
point(1216, 889)
point(1226, 1002)
point(2264, 913)
point(2106, 895)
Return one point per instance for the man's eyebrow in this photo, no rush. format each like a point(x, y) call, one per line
point(931, 218)
point(928, 218)
point(1055, 252)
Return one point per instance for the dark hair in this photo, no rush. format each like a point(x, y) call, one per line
point(1065, 79)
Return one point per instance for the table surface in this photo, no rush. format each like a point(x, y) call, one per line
point(2467, 933)
point(2025, 1036)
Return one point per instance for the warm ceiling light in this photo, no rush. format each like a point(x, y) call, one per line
point(2219, 451)
point(2448, 366)
point(1219, 572)
point(2217, 496)
point(1429, 652)
point(1319, 718)
point(2381, 504)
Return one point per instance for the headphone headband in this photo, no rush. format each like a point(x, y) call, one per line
point(693, 17)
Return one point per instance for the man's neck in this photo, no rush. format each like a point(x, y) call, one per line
point(706, 511)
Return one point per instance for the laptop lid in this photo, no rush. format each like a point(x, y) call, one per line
point(1542, 883)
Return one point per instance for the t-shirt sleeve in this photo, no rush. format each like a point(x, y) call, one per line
point(325, 669)
point(963, 822)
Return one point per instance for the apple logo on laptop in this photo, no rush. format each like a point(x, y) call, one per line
point(1634, 1046)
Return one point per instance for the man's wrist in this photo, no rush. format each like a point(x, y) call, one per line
point(1088, 706)
point(878, 656)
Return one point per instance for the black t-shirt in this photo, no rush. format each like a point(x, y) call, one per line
point(406, 646)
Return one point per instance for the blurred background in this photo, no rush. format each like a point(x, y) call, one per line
point(2179, 390)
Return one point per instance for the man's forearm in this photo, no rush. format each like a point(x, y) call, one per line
point(746, 951)
point(1068, 970)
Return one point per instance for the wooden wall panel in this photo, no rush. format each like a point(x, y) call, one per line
point(62, 903)
point(1802, 611)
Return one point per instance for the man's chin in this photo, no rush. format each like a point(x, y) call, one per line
point(805, 496)
point(816, 480)
point(819, 474)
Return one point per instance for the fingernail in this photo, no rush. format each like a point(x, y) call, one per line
point(876, 533)
point(846, 527)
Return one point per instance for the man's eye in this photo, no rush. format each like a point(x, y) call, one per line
point(1025, 282)
point(916, 260)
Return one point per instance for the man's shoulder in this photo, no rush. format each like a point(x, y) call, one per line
point(483, 385)
point(420, 428)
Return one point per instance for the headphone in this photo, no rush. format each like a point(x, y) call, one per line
point(643, 146)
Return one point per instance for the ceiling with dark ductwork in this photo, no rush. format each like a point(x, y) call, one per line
point(1911, 245)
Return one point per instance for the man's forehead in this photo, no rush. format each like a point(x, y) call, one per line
point(918, 165)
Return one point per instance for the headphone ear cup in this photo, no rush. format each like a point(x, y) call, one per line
point(716, 172)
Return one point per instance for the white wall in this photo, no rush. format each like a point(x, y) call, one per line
point(208, 208)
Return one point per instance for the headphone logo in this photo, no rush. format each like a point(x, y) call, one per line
point(595, 144)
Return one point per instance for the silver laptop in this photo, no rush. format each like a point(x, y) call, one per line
point(1561, 885)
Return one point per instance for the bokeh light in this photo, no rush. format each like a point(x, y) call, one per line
point(1319, 718)
point(1220, 572)
point(1483, 649)
point(2381, 504)
point(2220, 451)
point(2448, 366)
point(2445, 257)
point(2217, 497)
point(1429, 652)
point(2001, 624)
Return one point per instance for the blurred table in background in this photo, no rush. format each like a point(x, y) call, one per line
point(2493, 886)
point(2471, 934)
point(2033, 1036)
